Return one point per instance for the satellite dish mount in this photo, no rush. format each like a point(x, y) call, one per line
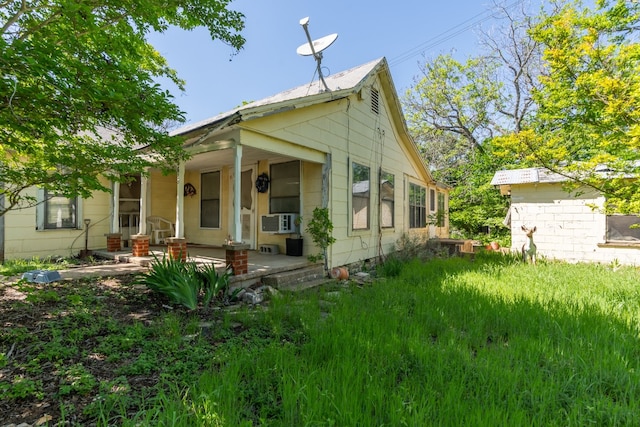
point(315, 48)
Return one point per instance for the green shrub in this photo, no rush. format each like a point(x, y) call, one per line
point(184, 282)
point(174, 279)
point(213, 283)
point(413, 246)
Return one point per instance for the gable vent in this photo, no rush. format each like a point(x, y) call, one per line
point(375, 101)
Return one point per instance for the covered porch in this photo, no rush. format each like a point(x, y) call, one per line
point(213, 198)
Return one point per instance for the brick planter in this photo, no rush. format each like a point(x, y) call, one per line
point(237, 258)
point(114, 242)
point(140, 245)
point(177, 248)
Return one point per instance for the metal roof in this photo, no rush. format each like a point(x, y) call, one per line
point(526, 176)
point(516, 176)
point(338, 83)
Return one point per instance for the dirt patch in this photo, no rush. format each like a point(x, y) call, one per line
point(37, 378)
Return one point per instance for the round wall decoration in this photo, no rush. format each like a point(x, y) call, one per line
point(189, 189)
point(262, 183)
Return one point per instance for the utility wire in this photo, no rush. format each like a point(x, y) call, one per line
point(448, 34)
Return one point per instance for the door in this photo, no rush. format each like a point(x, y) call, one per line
point(247, 206)
point(129, 208)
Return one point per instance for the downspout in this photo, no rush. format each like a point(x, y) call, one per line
point(326, 173)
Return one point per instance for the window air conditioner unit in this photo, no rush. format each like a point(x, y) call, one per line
point(279, 223)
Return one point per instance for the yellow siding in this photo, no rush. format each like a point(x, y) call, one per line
point(192, 230)
point(23, 241)
point(349, 132)
point(162, 189)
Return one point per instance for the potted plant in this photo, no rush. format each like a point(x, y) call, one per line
point(294, 244)
point(320, 228)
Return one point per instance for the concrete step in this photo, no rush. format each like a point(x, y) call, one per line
point(295, 279)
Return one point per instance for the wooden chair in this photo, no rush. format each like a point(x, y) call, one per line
point(466, 249)
point(161, 228)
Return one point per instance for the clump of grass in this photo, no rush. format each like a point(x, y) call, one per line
point(182, 282)
point(19, 266)
point(390, 267)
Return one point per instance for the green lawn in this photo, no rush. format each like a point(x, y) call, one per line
point(446, 342)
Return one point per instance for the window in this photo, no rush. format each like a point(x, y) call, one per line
point(432, 200)
point(210, 200)
point(284, 194)
point(440, 222)
point(59, 211)
point(619, 228)
point(387, 196)
point(360, 196)
point(417, 206)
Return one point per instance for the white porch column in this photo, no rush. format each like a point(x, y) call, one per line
point(115, 205)
point(180, 202)
point(144, 185)
point(237, 197)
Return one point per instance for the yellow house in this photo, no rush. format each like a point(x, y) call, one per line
point(256, 169)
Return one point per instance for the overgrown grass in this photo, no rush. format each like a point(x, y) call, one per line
point(447, 342)
point(19, 266)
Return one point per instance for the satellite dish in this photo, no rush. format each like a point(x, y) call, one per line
point(318, 45)
point(315, 48)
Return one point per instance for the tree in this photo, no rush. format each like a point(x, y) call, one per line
point(455, 110)
point(78, 99)
point(587, 124)
point(519, 59)
point(453, 98)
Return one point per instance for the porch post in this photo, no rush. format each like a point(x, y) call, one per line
point(237, 179)
point(115, 204)
point(144, 181)
point(114, 238)
point(180, 202)
point(140, 242)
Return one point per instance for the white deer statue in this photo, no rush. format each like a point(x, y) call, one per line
point(529, 248)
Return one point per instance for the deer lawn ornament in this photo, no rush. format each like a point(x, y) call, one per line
point(529, 248)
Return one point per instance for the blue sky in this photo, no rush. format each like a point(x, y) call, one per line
point(402, 31)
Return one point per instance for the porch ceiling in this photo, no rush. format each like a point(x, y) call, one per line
point(250, 156)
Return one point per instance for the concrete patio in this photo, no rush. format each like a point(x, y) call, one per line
point(275, 269)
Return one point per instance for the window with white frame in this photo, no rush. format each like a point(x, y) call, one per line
point(210, 200)
point(623, 228)
point(60, 211)
point(417, 206)
point(360, 196)
point(284, 188)
point(56, 212)
point(440, 216)
point(387, 199)
point(432, 200)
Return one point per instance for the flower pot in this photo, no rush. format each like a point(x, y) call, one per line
point(340, 273)
point(495, 246)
